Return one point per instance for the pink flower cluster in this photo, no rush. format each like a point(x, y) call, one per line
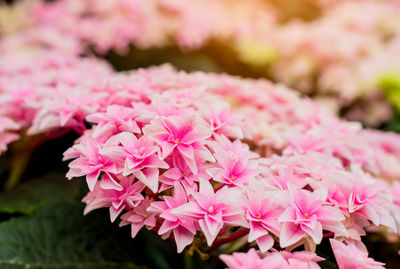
point(297, 53)
point(175, 160)
point(156, 23)
point(150, 147)
point(339, 56)
point(305, 48)
point(45, 83)
point(275, 259)
point(205, 159)
point(348, 256)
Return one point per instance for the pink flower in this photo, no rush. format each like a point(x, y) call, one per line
point(5, 139)
point(396, 192)
point(349, 256)
point(273, 260)
point(91, 163)
point(367, 198)
point(224, 123)
point(116, 193)
point(8, 124)
point(317, 178)
point(182, 135)
point(262, 215)
point(139, 217)
point(313, 168)
point(295, 260)
point(235, 162)
point(308, 214)
point(280, 175)
point(210, 211)
point(182, 228)
point(249, 260)
point(139, 157)
point(61, 110)
point(116, 119)
point(180, 172)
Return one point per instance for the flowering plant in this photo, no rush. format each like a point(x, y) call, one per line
point(242, 170)
point(179, 166)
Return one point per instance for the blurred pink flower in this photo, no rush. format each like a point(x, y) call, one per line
point(349, 256)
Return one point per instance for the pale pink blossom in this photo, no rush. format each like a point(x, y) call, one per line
point(139, 157)
point(308, 214)
point(183, 136)
point(224, 123)
point(139, 217)
point(116, 193)
point(5, 139)
point(349, 256)
point(238, 260)
point(7, 126)
point(183, 229)
point(180, 172)
point(116, 119)
point(262, 215)
point(235, 163)
point(298, 259)
point(299, 171)
point(275, 260)
point(90, 163)
point(210, 212)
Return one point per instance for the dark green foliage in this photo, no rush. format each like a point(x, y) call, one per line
point(57, 236)
point(26, 197)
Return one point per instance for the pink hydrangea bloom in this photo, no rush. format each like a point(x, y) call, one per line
point(138, 157)
point(139, 217)
point(183, 229)
point(275, 260)
point(262, 215)
point(239, 260)
point(154, 23)
point(7, 126)
point(308, 214)
point(159, 154)
point(210, 210)
point(116, 119)
point(182, 173)
point(182, 136)
point(318, 180)
point(167, 152)
point(298, 259)
point(236, 164)
point(350, 256)
point(117, 194)
point(90, 163)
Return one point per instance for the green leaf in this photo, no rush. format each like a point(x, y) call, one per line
point(58, 236)
point(31, 194)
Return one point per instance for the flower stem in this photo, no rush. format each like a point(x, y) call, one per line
point(228, 238)
point(22, 153)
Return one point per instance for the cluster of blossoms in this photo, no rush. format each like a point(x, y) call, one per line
point(177, 161)
point(341, 54)
point(202, 159)
point(295, 52)
point(157, 23)
point(345, 254)
point(338, 57)
point(45, 85)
